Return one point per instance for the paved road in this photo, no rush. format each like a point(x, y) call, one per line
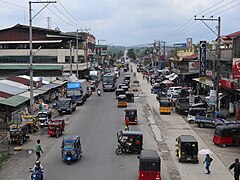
point(97, 122)
point(171, 126)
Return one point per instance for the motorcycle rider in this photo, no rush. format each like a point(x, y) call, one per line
point(128, 144)
point(69, 153)
point(98, 92)
point(38, 169)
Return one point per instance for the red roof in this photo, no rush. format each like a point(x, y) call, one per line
point(230, 36)
point(191, 57)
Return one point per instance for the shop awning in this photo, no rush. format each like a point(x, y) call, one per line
point(35, 93)
point(207, 82)
point(59, 82)
point(49, 86)
point(14, 101)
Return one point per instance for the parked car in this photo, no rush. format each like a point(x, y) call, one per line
point(173, 97)
point(161, 96)
point(66, 105)
point(173, 90)
point(211, 119)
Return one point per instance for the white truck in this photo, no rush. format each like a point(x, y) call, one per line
point(94, 77)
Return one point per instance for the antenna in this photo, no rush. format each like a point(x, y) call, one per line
point(49, 20)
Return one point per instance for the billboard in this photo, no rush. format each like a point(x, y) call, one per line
point(236, 68)
point(180, 45)
point(202, 68)
point(189, 43)
point(193, 66)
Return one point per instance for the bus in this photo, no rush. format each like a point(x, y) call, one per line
point(109, 82)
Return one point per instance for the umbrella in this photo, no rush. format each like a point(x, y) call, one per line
point(205, 151)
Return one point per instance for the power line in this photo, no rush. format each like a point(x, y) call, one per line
point(181, 27)
point(227, 9)
point(61, 18)
point(13, 4)
point(220, 7)
point(70, 14)
point(64, 15)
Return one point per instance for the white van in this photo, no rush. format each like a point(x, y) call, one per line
point(173, 90)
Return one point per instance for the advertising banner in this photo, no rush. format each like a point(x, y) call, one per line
point(180, 45)
point(193, 66)
point(236, 68)
point(189, 43)
point(202, 69)
point(213, 98)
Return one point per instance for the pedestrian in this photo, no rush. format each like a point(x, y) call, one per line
point(127, 124)
point(207, 162)
point(236, 166)
point(38, 149)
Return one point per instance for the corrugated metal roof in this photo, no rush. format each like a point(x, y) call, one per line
point(59, 82)
point(36, 92)
point(35, 67)
point(13, 83)
point(10, 89)
point(14, 101)
point(49, 86)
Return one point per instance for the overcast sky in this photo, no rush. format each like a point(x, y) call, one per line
point(130, 22)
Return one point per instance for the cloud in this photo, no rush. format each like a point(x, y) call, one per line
point(128, 22)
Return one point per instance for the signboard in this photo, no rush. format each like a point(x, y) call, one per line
point(236, 68)
point(73, 85)
point(227, 83)
point(180, 45)
point(193, 66)
point(202, 69)
point(189, 43)
point(212, 100)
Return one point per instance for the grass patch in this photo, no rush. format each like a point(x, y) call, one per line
point(3, 158)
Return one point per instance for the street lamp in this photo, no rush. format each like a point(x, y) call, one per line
point(30, 48)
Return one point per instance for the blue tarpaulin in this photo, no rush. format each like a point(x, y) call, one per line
point(74, 85)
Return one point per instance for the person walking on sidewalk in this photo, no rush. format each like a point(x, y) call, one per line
point(207, 162)
point(236, 166)
point(38, 149)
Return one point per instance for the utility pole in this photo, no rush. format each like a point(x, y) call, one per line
point(70, 57)
point(216, 64)
point(31, 47)
point(86, 30)
point(77, 55)
point(164, 53)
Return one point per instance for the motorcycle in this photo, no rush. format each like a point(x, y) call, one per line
point(123, 148)
point(36, 175)
point(69, 160)
point(99, 92)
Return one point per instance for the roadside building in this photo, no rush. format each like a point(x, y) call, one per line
point(50, 47)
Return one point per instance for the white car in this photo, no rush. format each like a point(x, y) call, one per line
point(173, 90)
point(173, 97)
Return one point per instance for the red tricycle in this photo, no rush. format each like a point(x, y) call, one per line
point(56, 127)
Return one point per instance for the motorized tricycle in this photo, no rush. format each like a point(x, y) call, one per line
point(56, 127)
point(187, 149)
point(71, 148)
point(18, 133)
point(32, 123)
point(129, 97)
point(149, 165)
point(131, 114)
point(129, 142)
point(122, 100)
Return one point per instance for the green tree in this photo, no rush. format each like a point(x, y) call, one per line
point(131, 54)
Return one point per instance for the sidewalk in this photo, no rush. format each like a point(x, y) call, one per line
point(170, 127)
